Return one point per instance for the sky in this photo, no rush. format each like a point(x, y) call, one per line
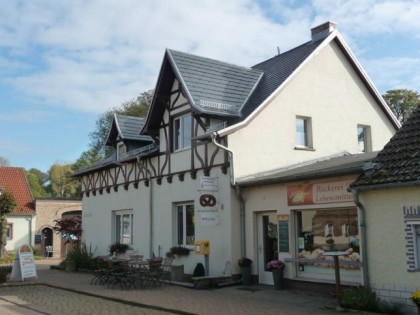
point(63, 63)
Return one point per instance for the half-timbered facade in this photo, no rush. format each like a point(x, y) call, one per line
point(214, 125)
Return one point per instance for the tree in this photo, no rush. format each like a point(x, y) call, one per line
point(69, 228)
point(4, 161)
point(403, 102)
point(62, 185)
point(7, 205)
point(137, 107)
point(37, 180)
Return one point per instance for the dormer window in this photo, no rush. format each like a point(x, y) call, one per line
point(121, 150)
point(182, 132)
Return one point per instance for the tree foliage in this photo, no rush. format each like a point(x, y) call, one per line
point(137, 107)
point(69, 228)
point(403, 102)
point(37, 180)
point(61, 183)
point(7, 205)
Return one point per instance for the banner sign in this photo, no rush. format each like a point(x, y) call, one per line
point(24, 264)
point(319, 193)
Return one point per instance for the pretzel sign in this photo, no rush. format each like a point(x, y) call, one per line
point(207, 200)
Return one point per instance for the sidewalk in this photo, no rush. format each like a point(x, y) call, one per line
point(242, 300)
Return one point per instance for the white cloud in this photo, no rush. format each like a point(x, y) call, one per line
point(92, 55)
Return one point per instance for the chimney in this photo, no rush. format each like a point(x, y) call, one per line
point(321, 31)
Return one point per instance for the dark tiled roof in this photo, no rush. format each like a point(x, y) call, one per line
point(215, 87)
point(399, 161)
point(13, 179)
point(333, 166)
point(127, 128)
point(276, 71)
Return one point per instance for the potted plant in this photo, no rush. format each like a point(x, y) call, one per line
point(415, 297)
point(117, 248)
point(276, 267)
point(245, 264)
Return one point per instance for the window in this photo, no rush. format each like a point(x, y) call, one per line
point(185, 219)
point(363, 137)
point(121, 150)
point(303, 132)
point(123, 227)
point(345, 228)
point(329, 230)
point(9, 232)
point(182, 132)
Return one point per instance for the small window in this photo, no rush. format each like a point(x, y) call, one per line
point(9, 232)
point(329, 230)
point(123, 227)
point(303, 132)
point(121, 150)
point(185, 221)
point(363, 139)
point(182, 132)
point(345, 228)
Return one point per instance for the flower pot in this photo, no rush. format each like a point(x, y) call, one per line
point(246, 275)
point(278, 279)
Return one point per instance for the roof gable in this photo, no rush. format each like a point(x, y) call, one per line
point(13, 179)
point(126, 128)
point(399, 160)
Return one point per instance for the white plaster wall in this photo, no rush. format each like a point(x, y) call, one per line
point(21, 232)
point(329, 91)
point(97, 219)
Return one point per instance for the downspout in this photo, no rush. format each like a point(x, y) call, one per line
point(238, 193)
point(149, 178)
point(363, 237)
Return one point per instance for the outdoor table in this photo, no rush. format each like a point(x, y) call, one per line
point(337, 270)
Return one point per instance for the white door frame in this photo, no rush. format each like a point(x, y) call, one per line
point(265, 277)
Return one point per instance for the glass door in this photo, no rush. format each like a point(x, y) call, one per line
point(267, 244)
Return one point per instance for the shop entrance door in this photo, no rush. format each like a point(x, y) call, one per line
point(267, 244)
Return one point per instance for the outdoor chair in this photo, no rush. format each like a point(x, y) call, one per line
point(165, 270)
point(49, 251)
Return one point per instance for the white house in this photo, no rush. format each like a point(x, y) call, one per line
point(190, 170)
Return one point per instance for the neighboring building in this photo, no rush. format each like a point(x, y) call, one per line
point(388, 195)
point(48, 210)
point(21, 222)
point(213, 130)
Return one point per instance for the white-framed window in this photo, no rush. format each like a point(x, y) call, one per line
point(182, 132)
point(123, 226)
point(329, 230)
point(185, 224)
point(363, 139)
point(121, 150)
point(9, 231)
point(303, 132)
point(345, 229)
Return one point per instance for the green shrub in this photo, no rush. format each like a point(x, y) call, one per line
point(8, 258)
point(199, 270)
point(4, 271)
point(79, 258)
point(360, 299)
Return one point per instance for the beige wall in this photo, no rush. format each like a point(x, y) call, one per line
point(386, 243)
point(48, 210)
point(329, 91)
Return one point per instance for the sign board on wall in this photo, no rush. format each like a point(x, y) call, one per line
point(283, 220)
point(24, 264)
point(209, 218)
point(319, 193)
point(208, 183)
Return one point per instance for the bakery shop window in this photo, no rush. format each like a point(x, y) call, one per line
point(325, 230)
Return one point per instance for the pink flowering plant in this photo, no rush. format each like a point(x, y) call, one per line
point(274, 264)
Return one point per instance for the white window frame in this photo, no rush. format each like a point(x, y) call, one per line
point(181, 132)
point(121, 150)
point(304, 137)
point(181, 223)
point(415, 226)
point(329, 230)
point(118, 226)
point(9, 231)
point(364, 142)
point(345, 230)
